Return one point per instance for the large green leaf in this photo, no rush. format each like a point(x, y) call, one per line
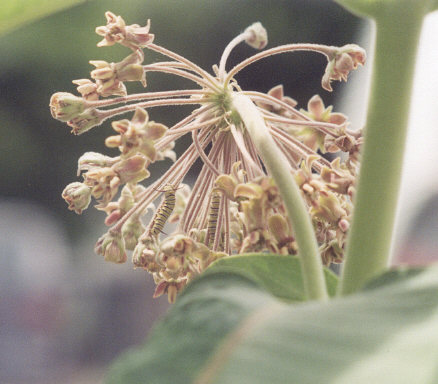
point(279, 275)
point(226, 329)
point(14, 13)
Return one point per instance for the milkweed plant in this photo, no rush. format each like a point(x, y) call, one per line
point(254, 147)
point(266, 185)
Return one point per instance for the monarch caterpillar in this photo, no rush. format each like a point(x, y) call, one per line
point(164, 211)
point(212, 218)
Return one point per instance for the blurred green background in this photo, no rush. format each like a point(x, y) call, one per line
point(64, 312)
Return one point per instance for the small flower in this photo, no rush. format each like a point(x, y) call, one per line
point(137, 136)
point(344, 60)
point(65, 106)
point(78, 196)
point(104, 184)
point(105, 181)
point(281, 231)
point(328, 208)
point(110, 76)
point(85, 121)
point(318, 112)
point(116, 31)
point(106, 79)
point(278, 93)
point(337, 177)
point(90, 160)
point(132, 170)
point(130, 68)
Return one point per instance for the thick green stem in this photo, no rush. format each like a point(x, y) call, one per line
point(276, 163)
point(398, 28)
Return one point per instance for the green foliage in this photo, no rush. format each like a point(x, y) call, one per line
point(15, 13)
point(279, 275)
point(226, 329)
point(392, 276)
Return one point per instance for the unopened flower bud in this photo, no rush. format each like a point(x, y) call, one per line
point(112, 247)
point(257, 36)
point(66, 106)
point(78, 196)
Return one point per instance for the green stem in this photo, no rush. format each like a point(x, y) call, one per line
point(276, 164)
point(398, 26)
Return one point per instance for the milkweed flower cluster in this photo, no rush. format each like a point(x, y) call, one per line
point(234, 205)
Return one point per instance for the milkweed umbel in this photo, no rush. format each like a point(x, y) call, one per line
point(212, 218)
point(163, 211)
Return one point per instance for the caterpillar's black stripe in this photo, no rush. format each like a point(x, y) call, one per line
point(212, 218)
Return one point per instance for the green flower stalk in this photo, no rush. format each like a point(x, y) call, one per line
point(398, 25)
